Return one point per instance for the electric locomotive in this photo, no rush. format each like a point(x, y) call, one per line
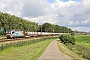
point(14, 33)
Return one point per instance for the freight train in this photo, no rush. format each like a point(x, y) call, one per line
point(18, 33)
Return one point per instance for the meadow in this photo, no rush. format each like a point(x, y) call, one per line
point(83, 40)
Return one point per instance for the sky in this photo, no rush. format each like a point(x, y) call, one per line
point(74, 14)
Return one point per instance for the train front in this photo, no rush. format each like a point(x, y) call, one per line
point(9, 33)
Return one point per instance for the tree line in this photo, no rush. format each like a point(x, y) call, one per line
point(8, 21)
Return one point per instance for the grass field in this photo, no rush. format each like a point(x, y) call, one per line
point(1, 37)
point(28, 52)
point(83, 40)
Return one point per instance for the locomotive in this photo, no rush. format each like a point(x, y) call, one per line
point(14, 33)
point(18, 33)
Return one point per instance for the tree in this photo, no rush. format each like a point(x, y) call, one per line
point(47, 27)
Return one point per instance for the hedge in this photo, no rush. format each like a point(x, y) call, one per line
point(67, 38)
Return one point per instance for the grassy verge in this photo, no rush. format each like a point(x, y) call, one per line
point(2, 37)
point(65, 50)
point(28, 52)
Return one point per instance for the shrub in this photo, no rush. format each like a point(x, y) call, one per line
point(67, 38)
point(83, 51)
point(72, 33)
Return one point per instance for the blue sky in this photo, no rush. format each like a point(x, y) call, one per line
point(51, 1)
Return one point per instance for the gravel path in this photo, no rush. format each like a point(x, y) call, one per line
point(52, 52)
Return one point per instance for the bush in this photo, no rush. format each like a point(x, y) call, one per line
point(67, 38)
point(72, 33)
point(83, 51)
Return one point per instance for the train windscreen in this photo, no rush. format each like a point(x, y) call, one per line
point(8, 31)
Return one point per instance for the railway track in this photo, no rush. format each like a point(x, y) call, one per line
point(11, 40)
point(5, 40)
point(16, 39)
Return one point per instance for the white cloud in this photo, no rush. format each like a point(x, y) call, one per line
point(9, 0)
point(36, 8)
point(50, 18)
point(11, 6)
point(74, 23)
point(71, 23)
point(2, 6)
point(84, 29)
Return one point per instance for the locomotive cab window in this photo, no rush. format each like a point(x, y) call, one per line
point(8, 31)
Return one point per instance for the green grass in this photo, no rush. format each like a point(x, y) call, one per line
point(68, 53)
point(28, 52)
point(83, 40)
point(2, 37)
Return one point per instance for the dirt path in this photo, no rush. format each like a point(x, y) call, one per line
point(52, 52)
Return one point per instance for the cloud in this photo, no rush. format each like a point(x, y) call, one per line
point(50, 18)
point(13, 7)
point(74, 14)
point(2, 6)
point(84, 29)
point(36, 8)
